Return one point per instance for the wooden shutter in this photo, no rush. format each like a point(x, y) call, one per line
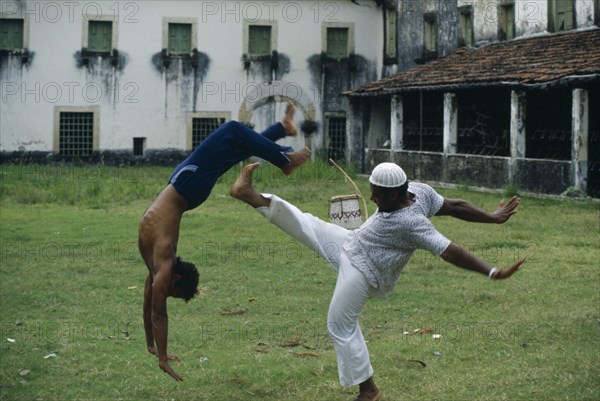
point(100, 36)
point(391, 33)
point(11, 34)
point(506, 22)
point(430, 36)
point(180, 38)
point(337, 42)
point(259, 40)
point(564, 15)
point(466, 29)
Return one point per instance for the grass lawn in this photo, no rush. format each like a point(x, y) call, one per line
point(71, 284)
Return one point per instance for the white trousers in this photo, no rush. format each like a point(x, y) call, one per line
point(351, 290)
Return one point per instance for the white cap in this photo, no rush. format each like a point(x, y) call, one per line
point(387, 175)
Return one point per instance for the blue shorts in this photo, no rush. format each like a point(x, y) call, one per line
point(228, 145)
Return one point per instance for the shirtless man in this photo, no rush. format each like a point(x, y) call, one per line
point(189, 186)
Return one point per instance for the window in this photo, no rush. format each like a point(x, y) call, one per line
point(337, 39)
point(139, 145)
point(465, 26)
point(100, 36)
point(430, 35)
point(180, 38)
point(259, 41)
point(203, 127)
point(506, 22)
point(391, 33)
point(336, 136)
point(11, 34)
point(561, 15)
point(76, 133)
point(76, 130)
point(337, 42)
point(201, 124)
point(179, 35)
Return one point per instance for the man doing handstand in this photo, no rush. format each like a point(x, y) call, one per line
point(189, 186)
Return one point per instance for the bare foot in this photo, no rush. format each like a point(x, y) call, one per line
point(296, 160)
point(368, 396)
point(368, 391)
point(288, 120)
point(243, 190)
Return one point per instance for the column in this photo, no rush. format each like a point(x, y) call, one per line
point(580, 138)
point(518, 105)
point(397, 128)
point(518, 109)
point(450, 123)
point(356, 151)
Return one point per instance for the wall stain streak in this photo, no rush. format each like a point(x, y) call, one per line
point(188, 70)
point(105, 67)
point(265, 69)
point(12, 63)
point(333, 76)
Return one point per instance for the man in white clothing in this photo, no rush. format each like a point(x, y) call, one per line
point(369, 259)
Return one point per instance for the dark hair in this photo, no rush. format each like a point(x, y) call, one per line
point(188, 283)
point(402, 189)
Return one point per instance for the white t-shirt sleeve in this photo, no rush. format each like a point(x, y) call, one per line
point(424, 236)
point(434, 200)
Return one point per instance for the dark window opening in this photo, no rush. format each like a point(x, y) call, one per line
point(203, 127)
point(549, 125)
point(424, 130)
point(139, 144)
point(484, 122)
point(336, 132)
point(76, 134)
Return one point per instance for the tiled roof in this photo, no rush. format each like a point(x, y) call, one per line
point(517, 63)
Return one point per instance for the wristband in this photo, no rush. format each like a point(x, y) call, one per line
point(491, 273)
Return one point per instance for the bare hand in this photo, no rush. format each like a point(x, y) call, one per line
point(152, 350)
point(506, 273)
point(164, 365)
point(504, 212)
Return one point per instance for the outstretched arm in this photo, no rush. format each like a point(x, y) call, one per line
point(464, 210)
point(160, 320)
point(148, 315)
point(461, 258)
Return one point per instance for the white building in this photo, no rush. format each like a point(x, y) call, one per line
point(94, 78)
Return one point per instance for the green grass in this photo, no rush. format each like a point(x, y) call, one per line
point(71, 276)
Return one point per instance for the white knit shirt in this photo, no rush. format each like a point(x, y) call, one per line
point(382, 246)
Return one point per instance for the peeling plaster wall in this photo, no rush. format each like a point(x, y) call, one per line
point(410, 25)
point(142, 93)
point(531, 17)
point(584, 13)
